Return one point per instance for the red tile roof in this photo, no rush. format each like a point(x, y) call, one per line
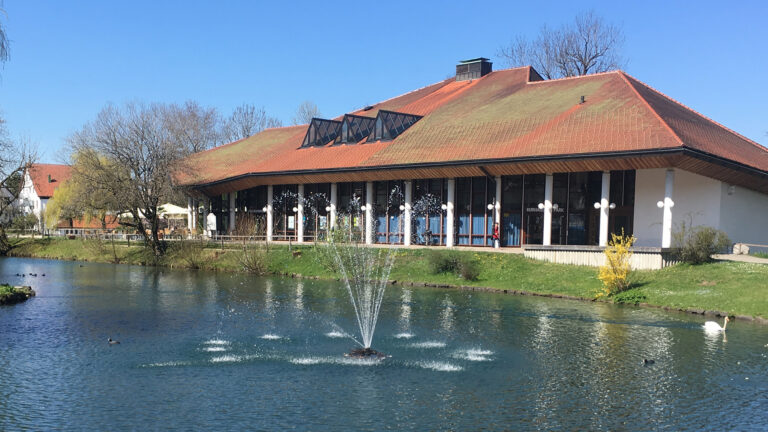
point(39, 174)
point(93, 223)
point(504, 115)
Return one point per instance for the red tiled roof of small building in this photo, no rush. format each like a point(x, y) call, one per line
point(504, 115)
point(92, 223)
point(39, 174)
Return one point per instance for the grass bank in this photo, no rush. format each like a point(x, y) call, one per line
point(730, 287)
point(12, 295)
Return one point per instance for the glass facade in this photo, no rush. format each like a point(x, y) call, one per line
point(575, 221)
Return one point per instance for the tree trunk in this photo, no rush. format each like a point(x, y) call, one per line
point(5, 245)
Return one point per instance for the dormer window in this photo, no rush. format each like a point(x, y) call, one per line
point(355, 129)
point(321, 132)
point(390, 124)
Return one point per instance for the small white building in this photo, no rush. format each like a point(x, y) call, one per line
point(40, 181)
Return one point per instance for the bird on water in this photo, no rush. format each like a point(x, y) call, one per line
point(711, 326)
point(113, 342)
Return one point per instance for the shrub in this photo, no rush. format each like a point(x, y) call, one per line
point(632, 296)
point(616, 271)
point(453, 262)
point(190, 253)
point(255, 259)
point(469, 268)
point(697, 244)
point(442, 261)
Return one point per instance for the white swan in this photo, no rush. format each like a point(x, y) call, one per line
point(712, 326)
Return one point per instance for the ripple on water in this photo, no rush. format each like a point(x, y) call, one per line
point(428, 344)
point(336, 334)
point(216, 342)
point(306, 361)
point(404, 335)
point(232, 358)
point(473, 355)
point(214, 349)
point(440, 366)
point(168, 364)
point(270, 336)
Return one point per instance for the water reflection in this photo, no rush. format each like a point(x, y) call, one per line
point(447, 315)
point(405, 310)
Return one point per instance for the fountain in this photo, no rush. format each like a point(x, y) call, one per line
point(364, 270)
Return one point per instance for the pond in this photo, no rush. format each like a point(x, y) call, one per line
point(214, 351)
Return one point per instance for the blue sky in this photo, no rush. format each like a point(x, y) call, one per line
point(69, 59)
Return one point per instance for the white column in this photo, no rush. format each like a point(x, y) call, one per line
point(206, 205)
point(407, 213)
point(300, 215)
point(232, 212)
point(270, 213)
point(605, 196)
point(666, 226)
point(548, 211)
point(195, 210)
point(449, 212)
point(369, 213)
point(190, 221)
point(333, 204)
point(497, 206)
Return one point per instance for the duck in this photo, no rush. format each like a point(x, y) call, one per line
point(711, 326)
point(113, 342)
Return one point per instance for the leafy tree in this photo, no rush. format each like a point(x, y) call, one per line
point(588, 45)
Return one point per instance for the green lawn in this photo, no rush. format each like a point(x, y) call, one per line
point(735, 288)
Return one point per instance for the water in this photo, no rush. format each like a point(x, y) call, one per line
point(229, 352)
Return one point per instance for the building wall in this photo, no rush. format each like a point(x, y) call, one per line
point(29, 202)
point(649, 189)
point(697, 199)
point(744, 215)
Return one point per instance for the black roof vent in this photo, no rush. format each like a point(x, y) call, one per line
point(354, 129)
point(321, 132)
point(473, 69)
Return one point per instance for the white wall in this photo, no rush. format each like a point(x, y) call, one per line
point(697, 200)
point(696, 197)
point(29, 202)
point(744, 215)
point(649, 189)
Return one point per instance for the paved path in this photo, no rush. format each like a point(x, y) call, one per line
point(741, 258)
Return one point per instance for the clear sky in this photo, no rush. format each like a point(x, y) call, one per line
point(68, 59)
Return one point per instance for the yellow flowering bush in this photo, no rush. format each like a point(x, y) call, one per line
point(616, 271)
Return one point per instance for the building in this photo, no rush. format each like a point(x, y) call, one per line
point(40, 181)
point(80, 227)
point(560, 164)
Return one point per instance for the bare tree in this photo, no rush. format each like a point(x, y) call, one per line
point(196, 128)
point(4, 43)
point(15, 159)
point(129, 153)
point(588, 45)
point(247, 120)
point(306, 111)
